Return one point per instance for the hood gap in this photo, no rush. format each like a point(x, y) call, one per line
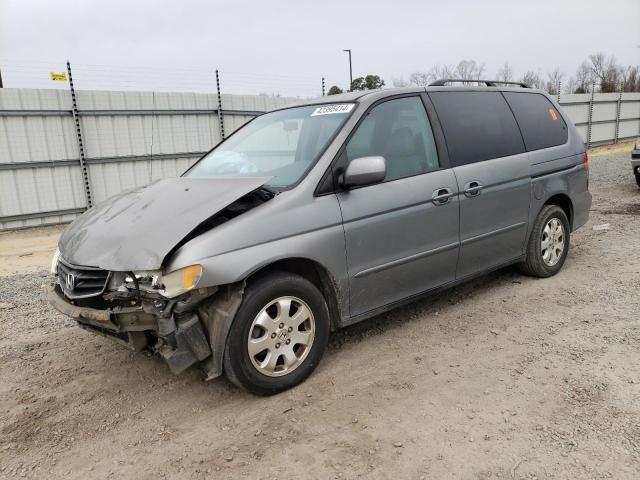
point(243, 204)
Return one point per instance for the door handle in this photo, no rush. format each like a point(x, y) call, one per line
point(441, 196)
point(473, 188)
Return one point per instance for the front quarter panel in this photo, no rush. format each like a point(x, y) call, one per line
point(292, 225)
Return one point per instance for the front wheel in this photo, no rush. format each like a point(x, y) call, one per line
point(278, 335)
point(548, 243)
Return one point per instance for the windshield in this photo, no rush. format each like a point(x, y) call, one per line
point(281, 144)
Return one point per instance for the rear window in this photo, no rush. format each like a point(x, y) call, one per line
point(540, 122)
point(477, 126)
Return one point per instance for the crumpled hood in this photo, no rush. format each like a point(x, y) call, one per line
point(135, 230)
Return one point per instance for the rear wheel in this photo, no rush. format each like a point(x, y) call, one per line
point(278, 335)
point(548, 243)
point(638, 180)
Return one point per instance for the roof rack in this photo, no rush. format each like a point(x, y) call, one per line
point(489, 83)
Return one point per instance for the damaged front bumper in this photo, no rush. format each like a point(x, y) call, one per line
point(172, 329)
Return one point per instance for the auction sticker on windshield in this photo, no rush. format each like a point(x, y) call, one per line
point(336, 108)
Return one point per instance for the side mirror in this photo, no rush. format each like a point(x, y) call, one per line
point(364, 171)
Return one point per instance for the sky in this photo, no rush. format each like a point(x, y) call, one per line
point(287, 46)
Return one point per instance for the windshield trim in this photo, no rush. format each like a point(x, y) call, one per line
point(313, 162)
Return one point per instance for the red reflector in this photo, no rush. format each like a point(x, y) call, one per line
point(585, 161)
point(554, 115)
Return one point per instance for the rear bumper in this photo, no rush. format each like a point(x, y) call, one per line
point(581, 208)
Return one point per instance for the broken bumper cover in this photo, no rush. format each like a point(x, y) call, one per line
point(181, 338)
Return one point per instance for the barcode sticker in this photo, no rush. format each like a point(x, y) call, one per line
point(335, 108)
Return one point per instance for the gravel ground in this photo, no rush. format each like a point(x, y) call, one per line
point(505, 377)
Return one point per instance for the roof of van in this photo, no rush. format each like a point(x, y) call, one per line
point(359, 95)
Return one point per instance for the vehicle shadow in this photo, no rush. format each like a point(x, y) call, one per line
point(425, 308)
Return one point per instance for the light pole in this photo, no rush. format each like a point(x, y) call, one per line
point(350, 69)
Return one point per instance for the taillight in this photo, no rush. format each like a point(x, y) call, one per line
point(585, 161)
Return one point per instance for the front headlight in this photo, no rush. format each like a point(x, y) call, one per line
point(54, 261)
point(181, 281)
point(169, 285)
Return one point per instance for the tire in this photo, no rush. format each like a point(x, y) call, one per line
point(283, 363)
point(638, 180)
point(541, 262)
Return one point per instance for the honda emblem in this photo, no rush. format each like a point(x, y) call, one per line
point(70, 281)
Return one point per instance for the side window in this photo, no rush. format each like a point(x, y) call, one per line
point(477, 126)
point(541, 124)
point(398, 130)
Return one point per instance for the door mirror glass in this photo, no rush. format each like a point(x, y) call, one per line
point(364, 171)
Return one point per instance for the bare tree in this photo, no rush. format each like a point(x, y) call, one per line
point(570, 85)
point(441, 71)
point(532, 79)
point(469, 70)
point(598, 64)
point(599, 68)
point(605, 71)
point(630, 78)
point(505, 73)
point(553, 83)
point(400, 82)
point(584, 78)
point(419, 79)
point(464, 70)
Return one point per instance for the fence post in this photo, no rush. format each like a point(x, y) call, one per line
point(220, 114)
point(618, 107)
point(83, 159)
point(323, 86)
point(593, 88)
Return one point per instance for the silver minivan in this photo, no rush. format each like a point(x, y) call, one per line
point(322, 214)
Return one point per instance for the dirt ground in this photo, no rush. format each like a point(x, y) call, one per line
point(506, 377)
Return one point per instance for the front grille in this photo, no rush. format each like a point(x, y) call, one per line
point(81, 282)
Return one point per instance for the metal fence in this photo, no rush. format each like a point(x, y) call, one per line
point(58, 156)
point(603, 118)
point(61, 151)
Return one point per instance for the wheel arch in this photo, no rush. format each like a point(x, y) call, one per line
point(312, 271)
point(563, 201)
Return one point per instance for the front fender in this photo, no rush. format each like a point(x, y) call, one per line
point(286, 227)
point(325, 247)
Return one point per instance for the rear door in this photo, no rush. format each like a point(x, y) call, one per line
point(400, 241)
point(492, 169)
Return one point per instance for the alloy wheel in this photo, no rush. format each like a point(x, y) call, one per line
point(281, 336)
point(552, 244)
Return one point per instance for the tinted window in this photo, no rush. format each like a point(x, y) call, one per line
point(540, 123)
point(398, 130)
point(477, 126)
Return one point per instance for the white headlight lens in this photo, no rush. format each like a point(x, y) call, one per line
point(54, 261)
point(182, 280)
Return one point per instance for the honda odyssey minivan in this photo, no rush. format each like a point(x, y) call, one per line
point(316, 216)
